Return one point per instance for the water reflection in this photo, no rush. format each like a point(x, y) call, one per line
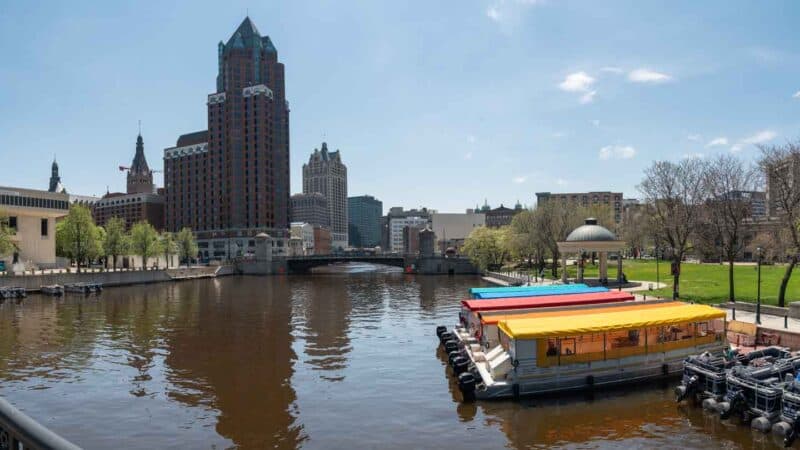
point(343, 360)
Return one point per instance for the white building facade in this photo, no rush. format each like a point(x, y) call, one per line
point(396, 225)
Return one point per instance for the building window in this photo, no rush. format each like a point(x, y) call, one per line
point(44, 227)
point(12, 223)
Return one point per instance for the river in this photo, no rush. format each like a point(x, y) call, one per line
point(343, 359)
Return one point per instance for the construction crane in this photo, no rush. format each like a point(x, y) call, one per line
point(124, 168)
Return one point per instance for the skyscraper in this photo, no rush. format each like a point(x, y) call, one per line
point(232, 181)
point(364, 221)
point(325, 173)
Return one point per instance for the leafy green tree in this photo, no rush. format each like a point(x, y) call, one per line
point(187, 246)
point(77, 235)
point(144, 241)
point(6, 244)
point(525, 238)
point(487, 247)
point(168, 246)
point(116, 241)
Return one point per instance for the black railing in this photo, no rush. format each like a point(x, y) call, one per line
point(18, 431)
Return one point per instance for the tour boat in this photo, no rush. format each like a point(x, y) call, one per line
point(470, 309)
point(561, 353)
point(489, 335)
point(547, 289)
point(562, 289)
point(789, 424)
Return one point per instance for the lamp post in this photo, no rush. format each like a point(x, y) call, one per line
point(759, 252)
point(658, 273)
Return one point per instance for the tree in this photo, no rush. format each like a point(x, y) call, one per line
point(187, 246)
point(781, 166)
point(116, 241)
point(525, 238)
point(144, 241)
point(6, 244)
point(726, 177)
point(674, 194)
point(486, 247)
point(77, 235)
point(168, 246)
point(557, 221)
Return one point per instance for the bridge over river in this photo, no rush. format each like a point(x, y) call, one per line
point(409, 263)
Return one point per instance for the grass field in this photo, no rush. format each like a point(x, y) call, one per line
point(708, 283)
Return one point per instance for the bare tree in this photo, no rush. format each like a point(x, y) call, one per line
point(781, 167)
point(728, 182)
point(673, 193)
point(557, 220)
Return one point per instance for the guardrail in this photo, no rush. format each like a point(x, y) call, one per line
point(18, 431)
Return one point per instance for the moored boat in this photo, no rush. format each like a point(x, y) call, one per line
point(537, 291)
point(551, 354)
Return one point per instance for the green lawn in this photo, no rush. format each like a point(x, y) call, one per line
point(708, 283)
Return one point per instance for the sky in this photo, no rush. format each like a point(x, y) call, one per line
point(438, 104)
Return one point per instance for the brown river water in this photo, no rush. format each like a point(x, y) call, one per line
point(345, 359)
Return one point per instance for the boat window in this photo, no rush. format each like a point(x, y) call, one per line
point(568, 346)
point(552, 347)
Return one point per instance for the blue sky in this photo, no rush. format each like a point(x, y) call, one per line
point(437, 104)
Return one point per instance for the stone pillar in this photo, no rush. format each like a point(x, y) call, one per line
point(619, 267)
point(563, 268)
point(603, 265)
point(580, 267)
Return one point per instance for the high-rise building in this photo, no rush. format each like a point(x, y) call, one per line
point(141, 202)
point(232, 180)
point(325, 173)
point(311, 208)
point(395, 220)
point(605, 198)
point(364, 221)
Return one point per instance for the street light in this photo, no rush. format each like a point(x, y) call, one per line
point(759, 252)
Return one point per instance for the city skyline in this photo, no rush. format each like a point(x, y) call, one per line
point(549, 89)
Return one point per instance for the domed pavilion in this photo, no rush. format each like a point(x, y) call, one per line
point(588, 238)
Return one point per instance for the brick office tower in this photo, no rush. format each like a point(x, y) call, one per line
point(231, 182)
point(325, 173)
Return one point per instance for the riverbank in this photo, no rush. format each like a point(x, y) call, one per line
point(34, 283)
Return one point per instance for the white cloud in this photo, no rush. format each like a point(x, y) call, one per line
point(760, 137)
point(610, 69)
point(796, 95)
point(504, 11)
point(717, 142)
point(754, 139)
point(617, 152)
point(519, 180)
point(693, 156)
point(648, 76)
point(694, 137)
point(493, 13)
point(587, 97)
point(576, 82)
point(468, 156)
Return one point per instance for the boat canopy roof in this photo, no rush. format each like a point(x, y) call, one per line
point(492, 290)
point(548, 301)
point(607, 321)
point(494, 317)
point(547, 290)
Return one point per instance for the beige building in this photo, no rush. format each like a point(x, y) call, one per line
point(33, 214)
point(451, 229)
point(611, 199)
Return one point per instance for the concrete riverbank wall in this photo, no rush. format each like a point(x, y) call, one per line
point(108, 279)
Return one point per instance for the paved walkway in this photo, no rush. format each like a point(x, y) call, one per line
point(767, 320)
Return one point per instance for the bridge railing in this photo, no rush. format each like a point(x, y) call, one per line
point(18, 431)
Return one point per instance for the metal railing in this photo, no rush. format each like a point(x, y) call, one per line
point(18, 431)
